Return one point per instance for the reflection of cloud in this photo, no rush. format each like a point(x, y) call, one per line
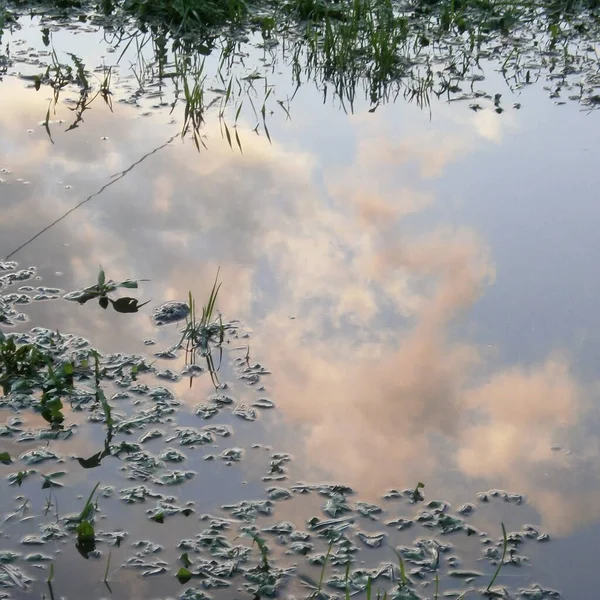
point(429, 151)
point(522, 411)
point(372, 367)
point(378, 404)
point(491, 126)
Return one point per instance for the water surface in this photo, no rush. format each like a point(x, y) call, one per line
point(420, 285)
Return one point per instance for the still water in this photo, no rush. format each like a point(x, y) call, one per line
point(418, 287)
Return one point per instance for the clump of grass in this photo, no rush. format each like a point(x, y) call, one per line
point(202, 329)
point(414, 49)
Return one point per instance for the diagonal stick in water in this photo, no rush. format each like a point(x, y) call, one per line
point(92, 196)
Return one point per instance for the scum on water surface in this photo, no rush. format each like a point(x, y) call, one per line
point(58, 392)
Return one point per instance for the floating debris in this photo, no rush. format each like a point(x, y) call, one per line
point(207, 411)
point(170, 312)
point(276, 493)
point(232, 455)
point(171, 455)
point(245, 412)
point(263, 403)
point(174, 477)
point(371, 540)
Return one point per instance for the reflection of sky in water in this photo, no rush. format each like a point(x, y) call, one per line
point(440, 274)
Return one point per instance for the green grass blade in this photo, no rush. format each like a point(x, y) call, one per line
point(107, 566)
point(346, 578)
point(324, 567)
point(501, 563)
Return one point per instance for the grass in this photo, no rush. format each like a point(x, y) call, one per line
point(325, 561)
point(501, 563)
point(202, 331)
point(49, 581)
point(86, 535)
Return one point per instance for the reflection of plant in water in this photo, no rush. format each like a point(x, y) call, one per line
point(380, 49)
point(60, 75)
point(95, 460)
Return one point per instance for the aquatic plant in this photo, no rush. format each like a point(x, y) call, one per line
point(327, 542)
point(202, 331)
point(103, 288)
point(26, 367)
point(86, 535)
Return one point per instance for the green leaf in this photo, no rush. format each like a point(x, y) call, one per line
point(103, 302)
point(88, 509)
point(416, 495)
point(158, 517)
point(5, 458)
point(183, 575)
point(127, 305)
point(84, 295)
point(185, 559)
point(20, 477)
point(85, 546)
point(85, 531)
point(128, 283)
point(101, 278)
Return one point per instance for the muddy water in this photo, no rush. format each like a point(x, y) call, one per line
point(420, 286)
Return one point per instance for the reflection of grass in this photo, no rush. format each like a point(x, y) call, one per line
point(59, 75)
point(187, 14)
point(384, 49)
